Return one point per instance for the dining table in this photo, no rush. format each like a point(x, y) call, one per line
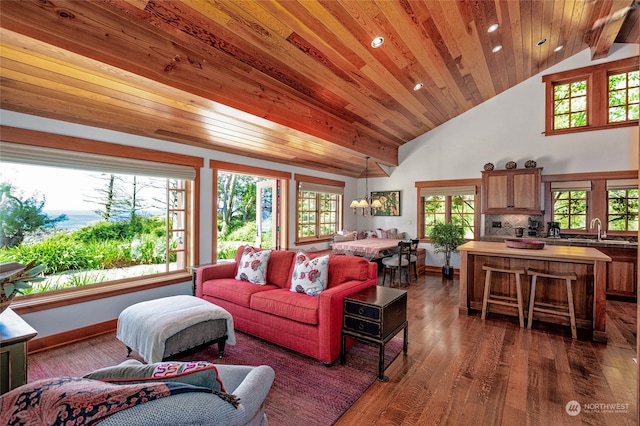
point(369, 248)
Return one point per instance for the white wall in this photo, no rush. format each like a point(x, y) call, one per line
point(507, 127)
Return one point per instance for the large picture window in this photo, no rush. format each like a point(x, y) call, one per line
point(93, 218)
point(319, 208)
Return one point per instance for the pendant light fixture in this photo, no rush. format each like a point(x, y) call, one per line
point(364, 205)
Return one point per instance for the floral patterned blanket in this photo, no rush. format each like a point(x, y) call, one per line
point(78, 401)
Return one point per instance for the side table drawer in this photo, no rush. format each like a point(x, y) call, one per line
point(361, 326)
point(353, 308)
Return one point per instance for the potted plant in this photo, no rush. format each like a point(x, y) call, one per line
point(15, 277)
point(445, 238)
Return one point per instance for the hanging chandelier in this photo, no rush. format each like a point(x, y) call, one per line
point(365, 206)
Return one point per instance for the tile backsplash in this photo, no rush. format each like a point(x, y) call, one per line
point(509, 223)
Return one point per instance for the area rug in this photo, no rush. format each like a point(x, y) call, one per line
point(305, 392)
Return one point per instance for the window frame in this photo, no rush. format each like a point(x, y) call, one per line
point(299, 178)
point(596, 199)
point(477, 183)
point(597, 77)
point(243, 169)
point(58, 298)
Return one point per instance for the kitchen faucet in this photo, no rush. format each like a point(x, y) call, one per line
point(593, 222)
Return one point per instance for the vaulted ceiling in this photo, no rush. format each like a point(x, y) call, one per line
point(291, 81)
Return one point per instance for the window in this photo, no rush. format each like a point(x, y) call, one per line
point(577, 199)
point(444, 202)
point(623, 96)
point(251, 202)
point(592, 98)
point(570, 105)
point(570, 204)
point(107, 219)
point(622, 205)
point(319, 208)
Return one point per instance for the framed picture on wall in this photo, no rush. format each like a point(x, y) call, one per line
point(390, 201)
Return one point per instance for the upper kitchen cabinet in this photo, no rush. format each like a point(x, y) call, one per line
point(515, 191)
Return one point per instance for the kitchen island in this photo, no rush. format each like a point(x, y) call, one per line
point(589, 291)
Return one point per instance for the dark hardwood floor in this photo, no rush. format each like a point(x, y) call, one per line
point(461, 370)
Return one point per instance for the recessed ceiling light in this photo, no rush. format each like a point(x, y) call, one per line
point(492, 28)
point(559, 48)
point(497, 48)
point(418, 87)
point(377, 42)
point(542, 41)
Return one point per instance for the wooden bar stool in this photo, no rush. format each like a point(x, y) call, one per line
point(549, 308)
point(503, 300)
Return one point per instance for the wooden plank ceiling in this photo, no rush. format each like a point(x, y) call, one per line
point(291, 81)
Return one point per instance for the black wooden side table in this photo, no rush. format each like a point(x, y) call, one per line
point(375, 315)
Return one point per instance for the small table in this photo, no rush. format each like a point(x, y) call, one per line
point(375, 315)
point(14, 335)
point(193, 269)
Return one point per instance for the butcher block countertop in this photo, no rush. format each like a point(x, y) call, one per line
point(549, 252)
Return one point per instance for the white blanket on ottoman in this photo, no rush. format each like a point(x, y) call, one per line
point(146, 326)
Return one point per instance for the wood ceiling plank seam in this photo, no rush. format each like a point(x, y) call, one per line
point(536, 34)
point(508, 41)
point(457, 43)
point(546, 27)
point(403, 89)
point(515, 29)
point(555, 32)
point(498, 63)
point(444, 94)
point(559, 33)
point(581, 11)
point(504, 57)
point(475, 65)
point(303, 70)
point(386, 74)
point(369, 11)
point(450, 62)
point(430, 110)
point(527, 36)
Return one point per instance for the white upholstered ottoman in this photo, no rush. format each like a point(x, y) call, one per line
point(160, 328)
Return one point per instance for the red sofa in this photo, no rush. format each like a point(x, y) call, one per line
point(307, 324)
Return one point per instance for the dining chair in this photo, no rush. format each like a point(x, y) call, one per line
point(413, 256)
point(397, 262)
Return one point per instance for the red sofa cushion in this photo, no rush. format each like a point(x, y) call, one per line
point(285, 303)
point(232, 290)
point(347, 268)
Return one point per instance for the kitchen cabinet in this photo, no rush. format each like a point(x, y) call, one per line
point(515, 191)
point(622, 272)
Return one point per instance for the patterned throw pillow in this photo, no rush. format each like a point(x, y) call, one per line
point(196, 373)
point(310, 276)
point(253, 265)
